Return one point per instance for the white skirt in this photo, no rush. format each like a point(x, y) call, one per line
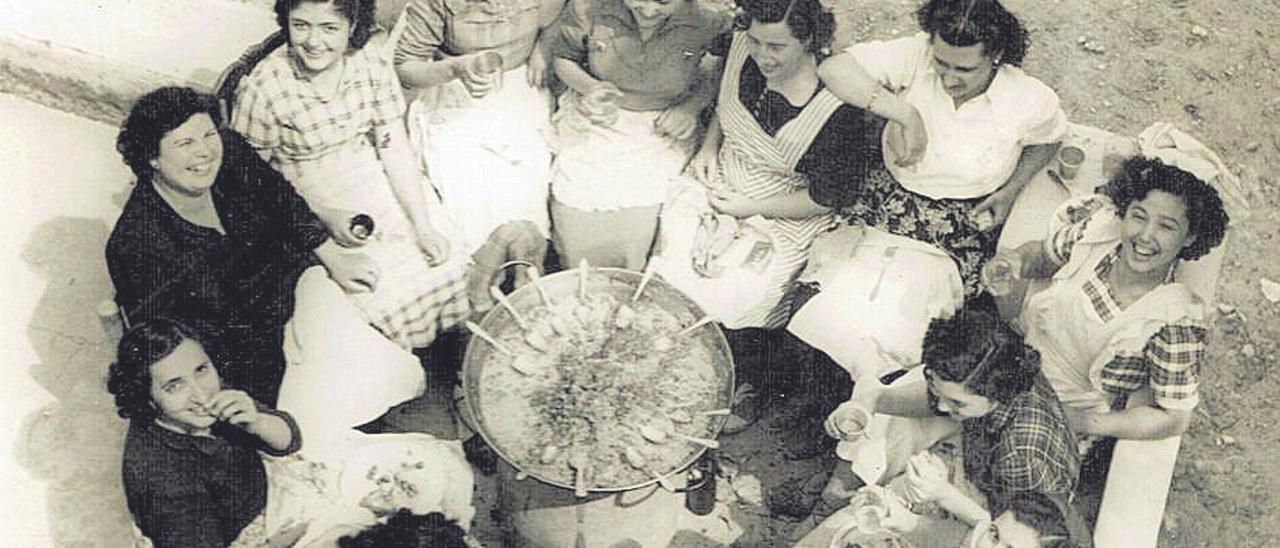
point(488, 158)
point(341, 372)
point(874, 307)
point(605, 168)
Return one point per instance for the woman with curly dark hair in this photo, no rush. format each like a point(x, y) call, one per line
point(970, 127)
point(981, 380)
point(211, 234)
point(779, 153)
point(193, 476)
point(1113, 325)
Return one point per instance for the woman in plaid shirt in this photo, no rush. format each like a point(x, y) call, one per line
point(328, 114)
point(1122, 341)
point(980, 379)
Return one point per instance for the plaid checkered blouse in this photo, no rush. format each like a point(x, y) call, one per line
point(1170, 361)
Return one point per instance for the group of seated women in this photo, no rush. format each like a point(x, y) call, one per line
point(354, 205)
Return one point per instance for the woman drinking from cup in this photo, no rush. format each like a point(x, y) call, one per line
point(212, 234)
point(980, 376)
point(1122, 341)
point(637, 83)
point(328, 114)
point(779, 147)
point(481, 120)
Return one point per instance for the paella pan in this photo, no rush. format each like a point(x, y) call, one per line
point(598, 379)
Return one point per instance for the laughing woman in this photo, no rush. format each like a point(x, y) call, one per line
point(328, 115)
point(1114, 326)
point(637, 82)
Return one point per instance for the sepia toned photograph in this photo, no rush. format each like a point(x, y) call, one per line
point(640, 273)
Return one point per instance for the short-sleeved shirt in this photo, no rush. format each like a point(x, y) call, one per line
point(602, 36)
point(189, 491)
point(844, 152)
point(278, 110)
point(1021, 446)
point(972, 150)
point(436, 27)
point(1170, 361)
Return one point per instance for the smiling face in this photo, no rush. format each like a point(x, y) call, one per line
point(957, 401)
point(649, 14)
point(181, 384)
point(189, 156)
point(775, 50)
point(1154, 231)
point(965, 71)
point(319, 35)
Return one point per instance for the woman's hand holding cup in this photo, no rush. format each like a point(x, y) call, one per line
point(599, 105)
point(848, 422)
point(480, 73)
point(999, 274)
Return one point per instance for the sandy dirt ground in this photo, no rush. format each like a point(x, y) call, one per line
point(1210, 68)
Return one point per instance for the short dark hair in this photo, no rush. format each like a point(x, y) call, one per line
point(976, 348)
point(155, 114)
point(808, 20)
point(1038, 512)
point(1206, 217)
point(964, 23)
point(360, 13)
point(408, 530)
point(129, 377)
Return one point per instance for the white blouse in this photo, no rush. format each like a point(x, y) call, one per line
point(972, 150)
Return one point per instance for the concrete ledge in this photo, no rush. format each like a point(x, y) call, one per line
point(93, 59)
point(77, 82)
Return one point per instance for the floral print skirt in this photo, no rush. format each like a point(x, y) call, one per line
point(883, 203)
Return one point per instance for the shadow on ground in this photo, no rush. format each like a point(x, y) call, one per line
point(74, 443)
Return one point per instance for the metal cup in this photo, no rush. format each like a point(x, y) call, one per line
point(1070, 158)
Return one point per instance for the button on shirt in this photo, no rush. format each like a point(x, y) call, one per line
point(195, 491)
point(602, 35)
point(972, 150)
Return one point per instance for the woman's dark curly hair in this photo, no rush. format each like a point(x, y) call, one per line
point(358, 12)
point(1036, 511)
point(155, 114)
point(979, 350)
point(809, 22)
point(129, 378)
point(964, 23)
point(1206, 218)
point(408, 530)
